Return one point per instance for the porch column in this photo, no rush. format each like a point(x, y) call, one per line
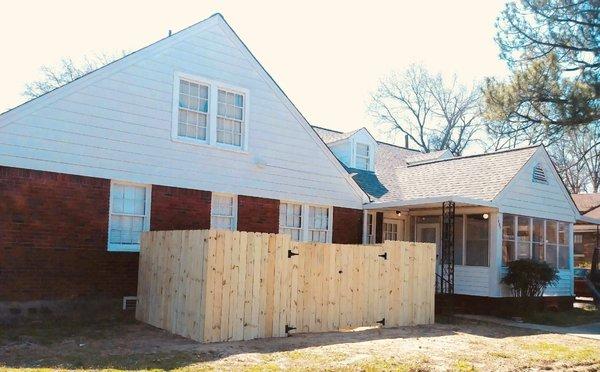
point(379, 227)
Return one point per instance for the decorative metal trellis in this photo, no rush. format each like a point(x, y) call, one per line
point(446, 275)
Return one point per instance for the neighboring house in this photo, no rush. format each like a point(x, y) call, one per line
point(191, 133)
point(509, 204)
point(586, 237)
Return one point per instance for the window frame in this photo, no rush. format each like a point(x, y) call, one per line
point(234, 209)
point(211, 126)
point(146, 226)
point(304, 220)
point(357, 156)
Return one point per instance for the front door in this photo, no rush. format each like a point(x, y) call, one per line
point(429, 233)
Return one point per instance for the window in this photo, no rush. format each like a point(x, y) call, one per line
point(578, 245)
point(370, 228)
point(303, 222)
point(363, 156)
point(230, 118)
point(207, 112)
point(458, 240)
point(476, 238)
point(539, 175)
point(390, 231)
point(223, 214)
point(129, 216)
point(537, 239)
point(193, 110)
point(318, 224)
point(290, 220)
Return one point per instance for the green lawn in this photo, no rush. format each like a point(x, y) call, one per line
point(576, 316)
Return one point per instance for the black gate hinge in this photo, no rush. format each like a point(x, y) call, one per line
point(289, 328)
point(382, 322)
point(290, 253)
point(383, 255)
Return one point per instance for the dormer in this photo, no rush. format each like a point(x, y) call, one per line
point(355, 149)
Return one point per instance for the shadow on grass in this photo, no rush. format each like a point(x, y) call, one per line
point(123, 343)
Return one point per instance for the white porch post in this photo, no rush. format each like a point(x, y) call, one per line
point(365, 235)
point(495, 254)
point(571, 259)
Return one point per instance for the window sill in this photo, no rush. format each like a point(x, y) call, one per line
point(216, 146)
point(132, 248)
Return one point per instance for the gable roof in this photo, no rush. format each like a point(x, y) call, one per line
point(586, 202)
point(330, 136)
point(216, 20)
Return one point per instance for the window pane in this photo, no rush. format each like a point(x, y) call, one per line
point(477, 240)
point(523, 251)
point(563, 236)
point(523, 229)
point(578, 244)
point(458, 240)
point(362, 149)
point(362, 163)
point(508, 227)
point(223, 212)
point(508, 251)
point(551, 254)
point(538, 230)
point(538, 251)
point(551, 230)
point(563, 257)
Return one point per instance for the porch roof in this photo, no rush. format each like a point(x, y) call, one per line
point(430, 202)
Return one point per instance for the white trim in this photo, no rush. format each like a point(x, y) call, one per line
point(430, 200)
point(234, 208)
point(211, 125)
point(148, 206)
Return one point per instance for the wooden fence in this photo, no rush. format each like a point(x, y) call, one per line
point(214, 285)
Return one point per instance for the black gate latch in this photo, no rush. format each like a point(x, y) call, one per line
point(290, 253)
point(382, 322)
point(288, 328)
point(383, 255)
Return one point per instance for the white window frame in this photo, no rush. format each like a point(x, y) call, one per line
point(147, 208)
point(385, 232)
point(234, 209)
point(213, 91)
point(304, 212)
point(357, 156)
point(283, 227)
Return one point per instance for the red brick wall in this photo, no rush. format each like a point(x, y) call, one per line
point(258, 214)
point(347, 225)
point(589, 244)
point(53, 235)
point(174, 208)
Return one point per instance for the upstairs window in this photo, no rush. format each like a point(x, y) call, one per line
point(223, 212)
point(230, 118)
point(539, 175)
point(193, 110)
point(363, 157)
point(129, 216)
point(207, 112)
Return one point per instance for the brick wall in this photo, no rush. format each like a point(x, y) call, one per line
point(258, 214)
point(589, 244)
point(53, 238)
point(179, 209)
point(347, 225)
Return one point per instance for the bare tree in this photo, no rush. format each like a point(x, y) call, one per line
point(567, 163)
point(435, 114)
point(54, 76)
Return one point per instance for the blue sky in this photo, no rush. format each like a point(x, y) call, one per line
point(327, 56)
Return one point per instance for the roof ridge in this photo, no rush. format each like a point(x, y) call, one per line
point(475, 155)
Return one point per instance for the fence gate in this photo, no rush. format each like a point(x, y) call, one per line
point(220, 285)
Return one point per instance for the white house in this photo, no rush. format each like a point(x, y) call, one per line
point(191, 132)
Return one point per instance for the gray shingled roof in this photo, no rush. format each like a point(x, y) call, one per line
point(586, 202)
point(476, 176)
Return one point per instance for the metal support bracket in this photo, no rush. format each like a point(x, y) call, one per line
point(384, 255)
point(289, 328)
point(291, 254)
point(382, 322)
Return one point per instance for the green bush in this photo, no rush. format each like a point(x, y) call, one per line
point(529, 278)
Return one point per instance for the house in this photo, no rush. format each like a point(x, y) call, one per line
point(191, 132)
point(586, 236)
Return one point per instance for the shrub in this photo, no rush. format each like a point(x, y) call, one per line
point(529, 278)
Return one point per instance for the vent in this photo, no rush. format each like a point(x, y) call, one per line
point(539, 175)
point(129, 302)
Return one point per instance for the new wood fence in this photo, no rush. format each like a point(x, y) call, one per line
point(213, 285)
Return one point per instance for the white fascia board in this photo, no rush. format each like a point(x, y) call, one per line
point(430, 200)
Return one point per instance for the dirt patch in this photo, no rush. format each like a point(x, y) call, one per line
point(463, 346)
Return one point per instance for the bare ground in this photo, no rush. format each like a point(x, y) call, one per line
point(461, 345)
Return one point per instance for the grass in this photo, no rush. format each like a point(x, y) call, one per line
point(547, 351)
point(573, 317)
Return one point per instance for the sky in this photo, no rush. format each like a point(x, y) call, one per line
point(328, 56)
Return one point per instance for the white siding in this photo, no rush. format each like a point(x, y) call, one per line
point(564, 285)
point(118, 126)
point(342, 151)
point(471, 280)
point(524, 197)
